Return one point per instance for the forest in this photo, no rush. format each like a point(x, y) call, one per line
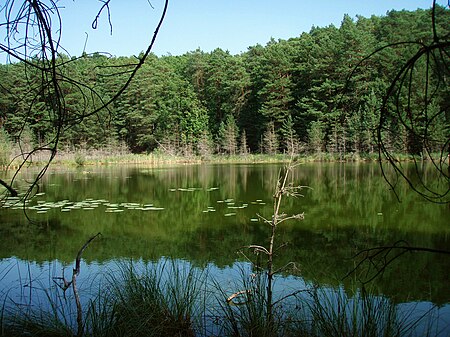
point(317, 93)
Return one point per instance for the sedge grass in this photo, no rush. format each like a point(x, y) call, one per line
point(159, 301)
point(172, 298)
point(334, 313)
point(27, 319)
point(246, 314)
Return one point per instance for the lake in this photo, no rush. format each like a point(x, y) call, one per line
point(204, 214)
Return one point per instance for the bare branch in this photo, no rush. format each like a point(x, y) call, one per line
point(95, 22)
point(285, 267)
point(281, 299)
point(237, 294)
point(76, 272)
point(379, 258)
point(80, 252)
point(258, 249)
point(300, 216)
point(11, 190)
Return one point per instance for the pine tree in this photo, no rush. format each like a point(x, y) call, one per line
point(228, 133)
point(243, 147)
point(270, 140)
point(316, 137)
point(290, 141)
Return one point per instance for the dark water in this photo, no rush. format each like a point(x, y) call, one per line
point(204, 214)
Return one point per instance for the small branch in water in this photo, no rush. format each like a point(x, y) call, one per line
point(78, 259)
point(236, 294)
point(66, 284)
point(258, 248)
point(76, 272)
point(291, 295)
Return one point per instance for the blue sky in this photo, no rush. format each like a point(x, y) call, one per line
point(231, 25)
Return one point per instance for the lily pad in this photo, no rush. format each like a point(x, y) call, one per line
point(229, 214)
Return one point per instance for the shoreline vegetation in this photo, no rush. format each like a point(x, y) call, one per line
point(168, 299)
point(99, 157)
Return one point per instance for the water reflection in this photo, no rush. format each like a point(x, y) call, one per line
point(29, 284)
point(205, 213)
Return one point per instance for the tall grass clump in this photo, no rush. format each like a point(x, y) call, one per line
point(245, 312)
point(160, 301)
point(164, 299)
point(51, 315)
point(333, 313)
point(100, 314)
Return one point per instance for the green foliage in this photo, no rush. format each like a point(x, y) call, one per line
point(205, 145)
point(298, 87)
point(290, 140)
point(316, 137)
point(243, 147)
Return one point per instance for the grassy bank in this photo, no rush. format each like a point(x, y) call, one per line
point(108, 157)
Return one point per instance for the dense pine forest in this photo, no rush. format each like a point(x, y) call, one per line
point(317, 93)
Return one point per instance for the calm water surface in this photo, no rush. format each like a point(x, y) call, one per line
point(203, 214)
